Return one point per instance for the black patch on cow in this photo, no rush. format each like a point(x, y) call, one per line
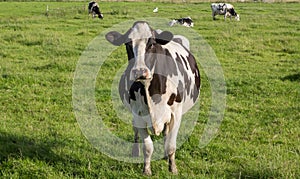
point(176, 97)
point(183, 59)
point(232, 12)
point(91, 5)
point(179, 64)
point(179, 96)
point(195, 93)
point(129, 50)
point(158, 86)
point(221, 7)
point(194, 69)
point(185, 20)
point(171, 99)
point(137, 87)
point(185, 76)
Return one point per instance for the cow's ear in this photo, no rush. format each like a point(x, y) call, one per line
point(164, 37)
point(115, 38)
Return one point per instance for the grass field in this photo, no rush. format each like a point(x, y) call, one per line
point(259, 136)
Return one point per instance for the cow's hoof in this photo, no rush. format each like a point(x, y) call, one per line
point(173, 169)
point(147, 172)
point(135, 150)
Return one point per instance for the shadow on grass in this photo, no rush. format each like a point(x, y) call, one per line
point(293, 77)
point(19, 147)
point(259, 173)
point(14, 147)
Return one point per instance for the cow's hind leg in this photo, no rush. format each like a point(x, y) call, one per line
point(136, 146)
point(147, 149)
point(170, 141)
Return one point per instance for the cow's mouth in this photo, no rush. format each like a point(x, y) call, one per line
point(143, 78)
point(141, 74)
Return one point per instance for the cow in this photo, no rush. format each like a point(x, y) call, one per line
point(94, 9)
point(160, 84)
point(224, 9)
point(186, 21)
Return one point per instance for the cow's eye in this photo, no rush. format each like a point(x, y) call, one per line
point(150, 44)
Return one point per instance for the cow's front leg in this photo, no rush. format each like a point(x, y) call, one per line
point(147, 150)
point(170, 141)
point(136, 145)
point(213, 16)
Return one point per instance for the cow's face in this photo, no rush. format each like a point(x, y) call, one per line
point(96, 9)
point(142, 43)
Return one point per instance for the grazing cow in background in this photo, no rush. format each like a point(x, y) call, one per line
point(186, 21)
point(224, 9)
point(94, 9)
point(160, 84)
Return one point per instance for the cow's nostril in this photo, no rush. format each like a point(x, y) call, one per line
point(140, 73)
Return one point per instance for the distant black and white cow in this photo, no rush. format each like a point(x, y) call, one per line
point(186, 21)
point(224, 9)
point(160, 84)
point(94, 9)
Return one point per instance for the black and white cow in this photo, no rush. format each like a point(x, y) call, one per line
point(160, 84)
point(224, 9)
point(186, 21)
point(94, 9)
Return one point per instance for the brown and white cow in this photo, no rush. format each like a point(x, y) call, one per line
point(160, 84)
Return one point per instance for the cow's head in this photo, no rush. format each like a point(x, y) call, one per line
point(233, 13)
point(96, 9)
point(142, 45)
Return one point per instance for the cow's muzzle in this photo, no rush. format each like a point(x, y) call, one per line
point(141, 74)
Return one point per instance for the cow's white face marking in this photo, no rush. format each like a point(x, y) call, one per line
point(139, 35)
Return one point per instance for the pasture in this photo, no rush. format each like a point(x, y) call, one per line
point(259, 136)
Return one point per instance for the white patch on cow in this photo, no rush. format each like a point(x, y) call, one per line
point(139, 35)
point(160, 112)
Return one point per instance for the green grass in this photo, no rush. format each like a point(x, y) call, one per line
point(259, 136)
